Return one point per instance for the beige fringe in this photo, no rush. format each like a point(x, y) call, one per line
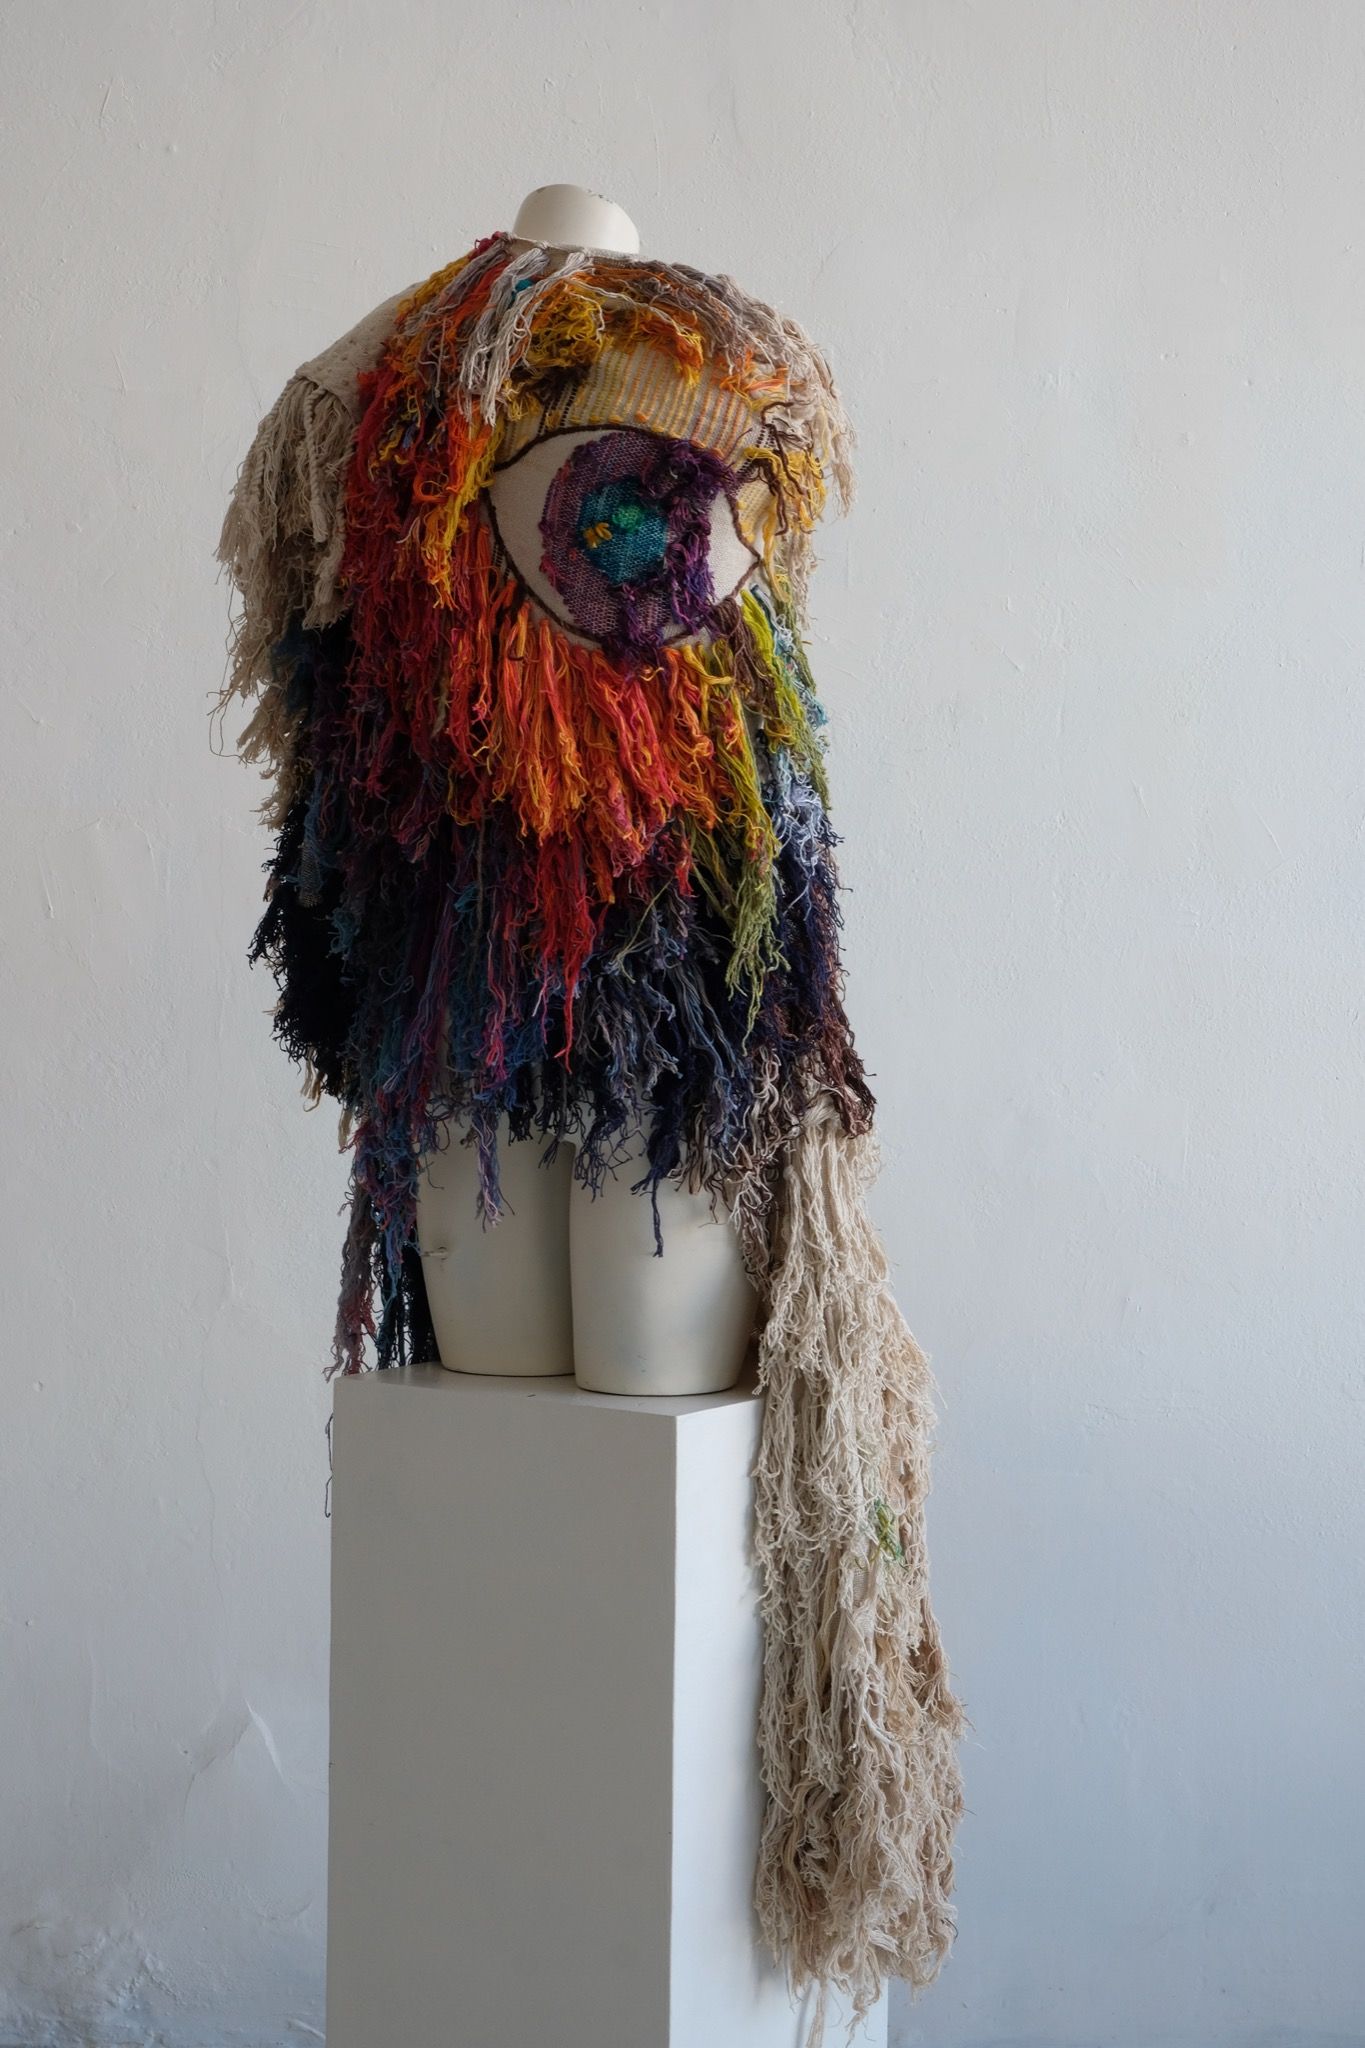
point(858, 1725)
point(283, 536)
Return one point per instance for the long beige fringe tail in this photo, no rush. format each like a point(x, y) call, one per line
point(858, 1726)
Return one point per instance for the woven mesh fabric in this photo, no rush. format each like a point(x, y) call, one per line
point(633, 385)
point(626, 527)
point(625, 536)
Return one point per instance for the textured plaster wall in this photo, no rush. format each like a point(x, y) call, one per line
point(1091, 273)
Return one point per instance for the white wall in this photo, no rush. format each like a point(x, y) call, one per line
point(1091, 273)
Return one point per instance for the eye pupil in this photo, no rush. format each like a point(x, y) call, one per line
point(624, 536)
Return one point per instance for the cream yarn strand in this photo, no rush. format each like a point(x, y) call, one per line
point(858, 1726)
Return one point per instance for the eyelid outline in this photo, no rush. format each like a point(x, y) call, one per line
point(749, 472)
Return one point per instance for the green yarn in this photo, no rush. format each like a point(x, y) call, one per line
point(621, 532)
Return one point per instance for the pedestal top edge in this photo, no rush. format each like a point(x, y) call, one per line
point(434, 1382)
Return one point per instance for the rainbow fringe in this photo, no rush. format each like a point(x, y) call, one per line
point(518, 874)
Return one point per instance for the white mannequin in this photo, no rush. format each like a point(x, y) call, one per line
point(567, 1281)
point(567, 217)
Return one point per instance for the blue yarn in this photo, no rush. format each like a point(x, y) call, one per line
point(638, 540)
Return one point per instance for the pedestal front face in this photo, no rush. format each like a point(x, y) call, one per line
point(545, 1674)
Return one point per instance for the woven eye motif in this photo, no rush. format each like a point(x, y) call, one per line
point(627, 537)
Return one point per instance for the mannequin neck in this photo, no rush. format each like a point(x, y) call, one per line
point(569, 217)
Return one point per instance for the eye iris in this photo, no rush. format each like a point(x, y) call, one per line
point(626, 530)
point(625, 537)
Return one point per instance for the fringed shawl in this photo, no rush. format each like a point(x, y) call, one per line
point(552, 842)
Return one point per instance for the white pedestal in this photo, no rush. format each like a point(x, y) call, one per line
point(545, 1676)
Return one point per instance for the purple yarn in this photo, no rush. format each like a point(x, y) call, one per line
point(670, 592)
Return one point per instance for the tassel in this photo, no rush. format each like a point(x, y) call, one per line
point(857, 1725)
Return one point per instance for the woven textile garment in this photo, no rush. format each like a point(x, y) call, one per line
point(552, 843)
